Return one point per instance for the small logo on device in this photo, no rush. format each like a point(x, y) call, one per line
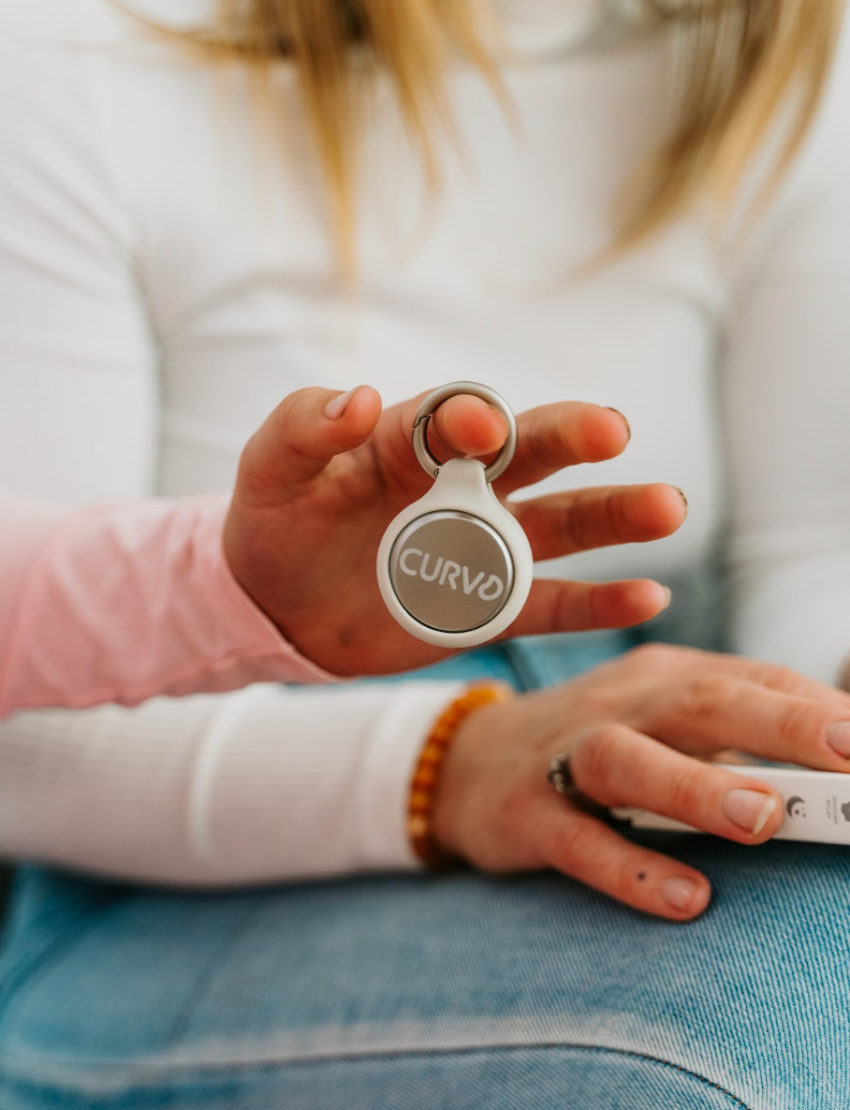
point(796, 807)
point(845, 810)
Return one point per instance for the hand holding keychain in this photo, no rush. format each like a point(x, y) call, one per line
point(455, 567)
point(320, 481)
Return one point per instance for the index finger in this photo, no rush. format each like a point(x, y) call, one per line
point(466, 425)
point(550, 437)
point(462, 425)
point(555, 436)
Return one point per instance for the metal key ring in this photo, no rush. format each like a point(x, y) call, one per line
point(432, 402)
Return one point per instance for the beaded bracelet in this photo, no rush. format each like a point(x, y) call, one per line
point(426, 776)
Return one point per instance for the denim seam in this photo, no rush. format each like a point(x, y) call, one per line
point(205, 976)
point(31, 964)
point(212, 1071)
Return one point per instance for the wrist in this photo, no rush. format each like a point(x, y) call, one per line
point(431, 828)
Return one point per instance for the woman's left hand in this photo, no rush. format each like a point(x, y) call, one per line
point(320, 482)
point(641, 730)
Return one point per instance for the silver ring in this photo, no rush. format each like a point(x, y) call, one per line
point(432, 402)
point(560, 775)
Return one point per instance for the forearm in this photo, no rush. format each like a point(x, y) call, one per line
point(267, 785)
point(122, 602)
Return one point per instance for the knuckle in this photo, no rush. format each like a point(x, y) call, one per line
point(614, 519)
point(703, 697)
point(797, 725)
point(559, 612)
point(299, 405)
point(516, 803)
point(783, 679)
point(575, 525)
point(573, 846)
point(571, 613)
point(654, 655)
point(684, 794)
point(651, 656)
point(546, 449)
point(594, 759)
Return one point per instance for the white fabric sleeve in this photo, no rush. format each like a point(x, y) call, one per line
point(268, 784)
point(786, 409)
point(260, 786)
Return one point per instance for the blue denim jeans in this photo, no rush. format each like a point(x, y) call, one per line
point(415, 993)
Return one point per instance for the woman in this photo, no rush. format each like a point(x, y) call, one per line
point(167, 243)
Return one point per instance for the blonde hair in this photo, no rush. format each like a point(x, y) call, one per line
point(744, 62)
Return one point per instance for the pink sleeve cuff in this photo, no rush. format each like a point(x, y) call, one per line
point(120, 603)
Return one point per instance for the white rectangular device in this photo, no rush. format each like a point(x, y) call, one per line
point(816, 803)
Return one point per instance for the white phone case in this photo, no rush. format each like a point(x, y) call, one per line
point(816, 804)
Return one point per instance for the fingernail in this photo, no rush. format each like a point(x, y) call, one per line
point(668, 597)
point(683, 495)
point(749, 809)
point(628, 425)
point(334, 409)
point(679, 893)
point(838, 738)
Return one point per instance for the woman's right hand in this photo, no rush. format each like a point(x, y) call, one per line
point(637, 732)
point(322, 479)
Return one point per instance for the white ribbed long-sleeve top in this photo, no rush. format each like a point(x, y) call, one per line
point(167, 276)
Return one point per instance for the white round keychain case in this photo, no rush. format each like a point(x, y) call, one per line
point(455, 567)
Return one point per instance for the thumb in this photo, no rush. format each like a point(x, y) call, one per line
point(303, 434)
